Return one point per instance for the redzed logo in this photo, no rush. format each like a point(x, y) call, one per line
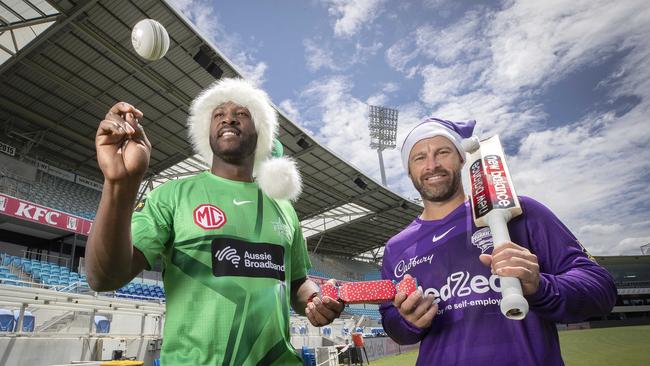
point(209, 217)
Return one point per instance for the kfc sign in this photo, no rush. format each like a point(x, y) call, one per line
point(29, 211)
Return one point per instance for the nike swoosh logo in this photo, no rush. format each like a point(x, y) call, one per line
point(239, 203)
point(436, 238)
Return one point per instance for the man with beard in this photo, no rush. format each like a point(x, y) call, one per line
point(455, 314)
point(232, 248)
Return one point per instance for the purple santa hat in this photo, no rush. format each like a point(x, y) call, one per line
point(456, 132)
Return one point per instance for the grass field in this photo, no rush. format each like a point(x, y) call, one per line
point(627, 346)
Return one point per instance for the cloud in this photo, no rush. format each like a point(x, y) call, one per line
point(390, 87)
point(589, 178)
point(537, 43)
point(630, 245)
point(364, 52)
point(589, 172)
point(241, 53)
point(318, 57)
point(401, 53)
point(492, 65)
point(339, 120)
point(442, 46)
point(351, 15)
point(343, 117)
point(319, 54)
point(290, 110)
point(464, 39)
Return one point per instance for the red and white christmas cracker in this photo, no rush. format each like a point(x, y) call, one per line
point(369, 292)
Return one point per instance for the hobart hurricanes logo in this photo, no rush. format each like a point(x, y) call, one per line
point(209, 217)
point(482, 239)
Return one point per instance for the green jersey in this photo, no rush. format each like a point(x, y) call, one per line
point(230, 254)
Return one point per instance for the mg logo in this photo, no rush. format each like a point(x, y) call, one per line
point(209, 217)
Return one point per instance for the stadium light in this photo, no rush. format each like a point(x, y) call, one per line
point(383, 133)
point(645, 249)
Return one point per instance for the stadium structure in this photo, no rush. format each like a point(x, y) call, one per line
point(63, 63)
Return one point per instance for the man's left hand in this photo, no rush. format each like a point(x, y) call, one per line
point(512, 260)
point(322, 311)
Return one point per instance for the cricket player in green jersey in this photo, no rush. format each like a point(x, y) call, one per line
point(233, 252)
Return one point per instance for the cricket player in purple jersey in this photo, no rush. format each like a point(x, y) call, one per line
point(456, 315)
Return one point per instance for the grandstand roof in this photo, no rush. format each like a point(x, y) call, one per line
point(55, 89)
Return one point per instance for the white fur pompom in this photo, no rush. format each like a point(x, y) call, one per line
point(279, 178)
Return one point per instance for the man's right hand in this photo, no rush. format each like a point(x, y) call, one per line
point(123, 150)
point(417, 309)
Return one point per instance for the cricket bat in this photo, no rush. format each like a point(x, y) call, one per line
point(494, 203)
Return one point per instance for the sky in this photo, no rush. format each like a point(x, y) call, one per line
point(565, 84)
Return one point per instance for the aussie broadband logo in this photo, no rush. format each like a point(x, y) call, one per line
point(404, 266)
point(232, 257)
point(460, 284)
point(209, 217)
point(228, 254)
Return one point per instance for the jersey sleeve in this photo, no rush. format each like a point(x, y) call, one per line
point(152, 223)
point(573, 287)
point(300, 262)
point(398, 328)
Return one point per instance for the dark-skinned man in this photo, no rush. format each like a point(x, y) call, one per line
point(233, 251)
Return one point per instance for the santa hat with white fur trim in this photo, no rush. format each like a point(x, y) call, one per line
point(277, 176)
point(455, 132)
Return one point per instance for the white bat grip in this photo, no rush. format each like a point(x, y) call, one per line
point(513, 304)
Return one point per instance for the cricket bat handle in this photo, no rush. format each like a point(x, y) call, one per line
point(513, 304)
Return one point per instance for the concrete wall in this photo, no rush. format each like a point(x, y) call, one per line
point(34, 351)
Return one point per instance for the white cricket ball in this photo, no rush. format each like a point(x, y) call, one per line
point(150, 39)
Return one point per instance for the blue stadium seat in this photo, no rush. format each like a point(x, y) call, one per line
point(29, 321)
point(327, 331)
point(102, 325)
point(7, 321)
point(308, 356)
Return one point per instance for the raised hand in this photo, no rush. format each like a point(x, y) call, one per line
point(123, 150)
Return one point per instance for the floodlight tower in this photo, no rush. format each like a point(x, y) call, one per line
point(383, 132)
point(645, 249)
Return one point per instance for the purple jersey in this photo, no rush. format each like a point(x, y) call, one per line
point(469, 327)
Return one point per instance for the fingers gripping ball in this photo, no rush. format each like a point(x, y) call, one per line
point(150, 39)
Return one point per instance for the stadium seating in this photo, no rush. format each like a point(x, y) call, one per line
point(61, 278)
point(327, 331)
point(343, 269)
point(308, 356)
point(54, 192)
point(43, 272)
point(7, 321)
point(102, 324)
point(369, 311)
point(66, 196)
point(28, 321)
point(136, 290)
